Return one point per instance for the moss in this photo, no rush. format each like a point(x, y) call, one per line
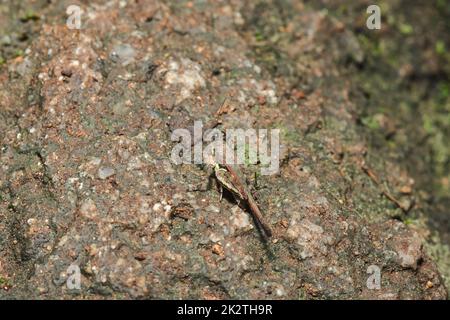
point(29, 15)
point(409, 221)
point(442, 4)
point(371, 122)
point(259, 36)
point(18, 53)
point(405, 29)
point(4, 282)
point(288, 135)
point(440, 253)
point(302, 294)
point(444, 90)
point(247, 151)
point(440, 47)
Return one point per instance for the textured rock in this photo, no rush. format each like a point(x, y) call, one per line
point(86, 120)
point(105, 172)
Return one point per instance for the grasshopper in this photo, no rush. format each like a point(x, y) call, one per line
point(229, 178)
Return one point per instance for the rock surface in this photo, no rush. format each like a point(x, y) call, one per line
point(86, 177)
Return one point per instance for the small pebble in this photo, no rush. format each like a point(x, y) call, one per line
point(105, 172)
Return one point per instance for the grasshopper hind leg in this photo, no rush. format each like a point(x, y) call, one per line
point(221, 192)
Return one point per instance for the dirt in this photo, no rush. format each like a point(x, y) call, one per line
point(86, 177)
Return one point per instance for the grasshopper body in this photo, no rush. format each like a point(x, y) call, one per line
point(230, 180)
point(223, 176)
